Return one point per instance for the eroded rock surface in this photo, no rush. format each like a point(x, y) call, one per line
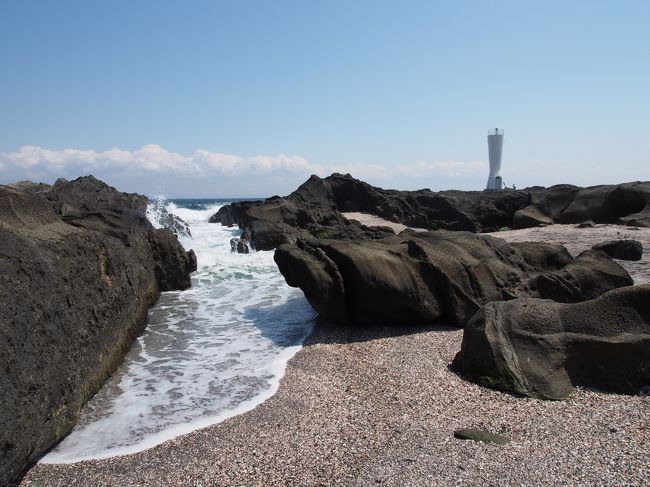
point(79, 267)
point(627, 204)
point(438, 276)
point(542, 348)
point(314, 209)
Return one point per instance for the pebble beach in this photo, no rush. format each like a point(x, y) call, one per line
point(379, 405)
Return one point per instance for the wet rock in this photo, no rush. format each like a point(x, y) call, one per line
point(172, 264)
point(542, 348)
point(169, 221)
point(621, 249)
point(239, 246)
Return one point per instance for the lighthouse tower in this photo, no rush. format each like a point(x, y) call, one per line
point(495, 147)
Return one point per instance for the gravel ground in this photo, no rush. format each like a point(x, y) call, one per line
point(378, 406)
point(372, 220)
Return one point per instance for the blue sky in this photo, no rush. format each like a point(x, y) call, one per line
point(248, 98)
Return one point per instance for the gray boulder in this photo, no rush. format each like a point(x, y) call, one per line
point(541, 348)
point(621, 249)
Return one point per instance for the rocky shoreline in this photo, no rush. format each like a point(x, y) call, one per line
point(80, 265)
point(316, 210)
point(379, 406)
point(371, 397)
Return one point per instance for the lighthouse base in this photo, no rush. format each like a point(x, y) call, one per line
point(494, 183)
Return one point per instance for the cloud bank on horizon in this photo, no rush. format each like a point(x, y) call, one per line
point(159, 170)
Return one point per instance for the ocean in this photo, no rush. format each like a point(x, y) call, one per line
point(208, 353)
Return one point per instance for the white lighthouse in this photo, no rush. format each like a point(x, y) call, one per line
point(495, 148)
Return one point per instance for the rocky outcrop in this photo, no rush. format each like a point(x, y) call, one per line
point(239, 246)
point(277, 220)
point(314, 211)
point(79, 267)
point(168, 220)
point(317, 205)
point(543, 349)
point(439, 276)
point(627, 204)
point(621, 249)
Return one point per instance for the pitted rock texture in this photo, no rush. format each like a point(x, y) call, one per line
point(542, 348)
point(79, 267)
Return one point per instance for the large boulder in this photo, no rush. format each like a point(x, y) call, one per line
point(621, 249)
point(627, 203)
point(79, 267)
point(541, 348)
point(439, 276)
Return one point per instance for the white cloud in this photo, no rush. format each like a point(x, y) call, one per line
point(152, 158)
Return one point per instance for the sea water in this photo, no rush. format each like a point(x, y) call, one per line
point(208, 353)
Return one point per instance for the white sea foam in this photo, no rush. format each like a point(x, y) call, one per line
point(208, 353)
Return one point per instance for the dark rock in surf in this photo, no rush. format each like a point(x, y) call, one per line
point(541, 348)
point(169, 221)
point(79, 267)
point(239, 246)
point(172, 264)
point(621, 249)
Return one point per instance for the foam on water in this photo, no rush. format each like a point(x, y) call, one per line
point(208, 353)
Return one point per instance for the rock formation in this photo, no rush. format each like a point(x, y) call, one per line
point(439, 276)
point(168, 220)
point(79, 267)
point(314, 209)
point(627, 204)
point(542, 348)
point(621, 249)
